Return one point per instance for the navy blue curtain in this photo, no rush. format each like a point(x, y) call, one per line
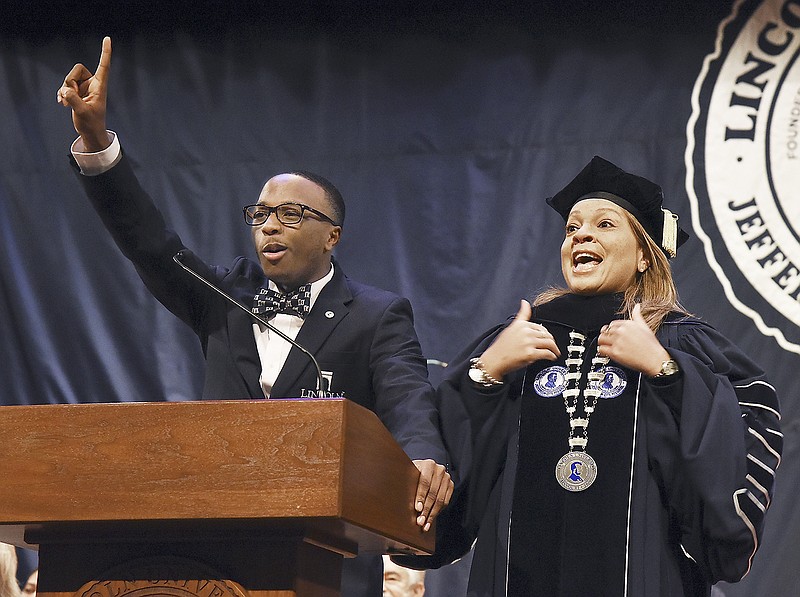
point(444, 128)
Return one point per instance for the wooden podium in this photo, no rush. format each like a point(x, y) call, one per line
point(206, 499)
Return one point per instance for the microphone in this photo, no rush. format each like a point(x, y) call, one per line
point(322, 385)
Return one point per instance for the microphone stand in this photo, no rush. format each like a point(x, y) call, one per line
point(322, 385)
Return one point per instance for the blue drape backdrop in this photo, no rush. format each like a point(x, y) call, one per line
point(444, 127)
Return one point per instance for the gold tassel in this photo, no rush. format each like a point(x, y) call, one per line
point(669, 237)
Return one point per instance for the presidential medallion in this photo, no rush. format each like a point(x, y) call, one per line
point(576, 471)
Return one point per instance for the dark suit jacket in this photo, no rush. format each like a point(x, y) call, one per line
point(363, 335)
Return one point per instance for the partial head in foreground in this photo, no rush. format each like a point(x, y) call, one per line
point(399, 581)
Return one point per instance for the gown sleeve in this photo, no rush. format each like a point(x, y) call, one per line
point(141, 233)
point(714, 443)
point(474, 429)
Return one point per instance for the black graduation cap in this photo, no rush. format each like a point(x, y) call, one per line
point(601, 179)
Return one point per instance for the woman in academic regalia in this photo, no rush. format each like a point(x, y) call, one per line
point(608, 442)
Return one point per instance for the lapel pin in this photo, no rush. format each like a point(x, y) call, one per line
point(329, 314)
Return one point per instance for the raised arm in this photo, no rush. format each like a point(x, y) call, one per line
point(86, 93)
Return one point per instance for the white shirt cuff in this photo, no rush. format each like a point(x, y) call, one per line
point(94, 163)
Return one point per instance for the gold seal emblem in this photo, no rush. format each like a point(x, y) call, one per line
point(175, 577)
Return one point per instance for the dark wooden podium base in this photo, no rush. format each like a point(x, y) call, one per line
point(210, 568)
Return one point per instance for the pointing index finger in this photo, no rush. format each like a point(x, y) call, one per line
point(105, 61)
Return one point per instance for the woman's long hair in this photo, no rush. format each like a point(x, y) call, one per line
point(654, 288)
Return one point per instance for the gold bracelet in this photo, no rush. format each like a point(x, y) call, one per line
point(478, 374)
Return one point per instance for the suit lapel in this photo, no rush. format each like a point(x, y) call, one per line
point(242, 344)
point(331, 306)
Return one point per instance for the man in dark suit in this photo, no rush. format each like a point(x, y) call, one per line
point(362, 337)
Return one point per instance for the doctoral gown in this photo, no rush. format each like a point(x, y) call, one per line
point(685, 468)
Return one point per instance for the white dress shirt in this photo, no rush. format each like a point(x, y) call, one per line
point(272, 349)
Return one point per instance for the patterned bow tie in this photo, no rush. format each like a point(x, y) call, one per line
point(268, 302)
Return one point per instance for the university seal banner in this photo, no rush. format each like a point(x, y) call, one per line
point(743, 164)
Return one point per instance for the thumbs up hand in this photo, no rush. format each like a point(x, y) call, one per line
point(631, 343)
point(520, 344)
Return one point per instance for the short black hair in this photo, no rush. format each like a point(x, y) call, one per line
point(331, 193)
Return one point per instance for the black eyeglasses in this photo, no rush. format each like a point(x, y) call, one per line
point(287, 213)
